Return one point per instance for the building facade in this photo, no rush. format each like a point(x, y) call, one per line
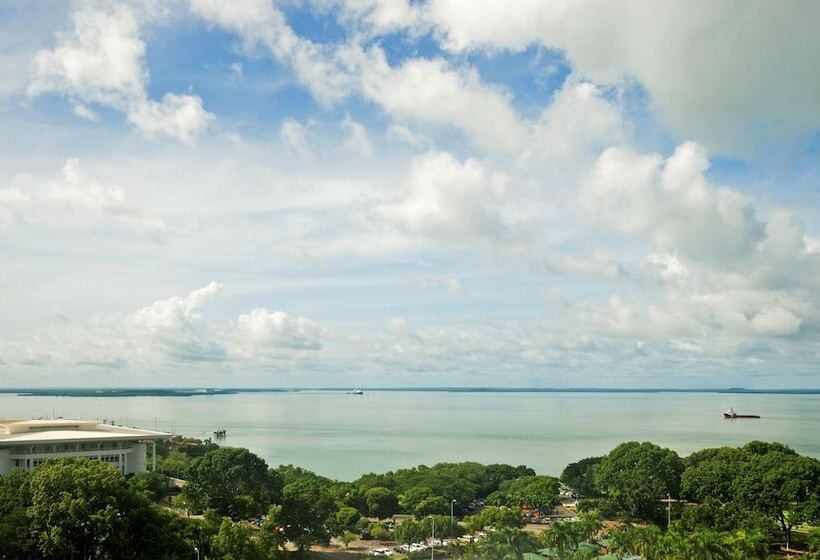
point(25, 444)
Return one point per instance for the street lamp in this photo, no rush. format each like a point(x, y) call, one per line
point(452, 527)
point(433, 539)
point(197, 552)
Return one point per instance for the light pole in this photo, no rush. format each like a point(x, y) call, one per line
point(452, 527)
point(668, 509)
point(197, 552)
point(433, 539)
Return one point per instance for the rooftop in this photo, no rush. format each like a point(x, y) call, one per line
point(62, 430)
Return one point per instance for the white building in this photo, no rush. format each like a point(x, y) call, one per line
point(27, 443)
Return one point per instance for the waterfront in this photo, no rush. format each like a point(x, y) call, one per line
point(343, 436)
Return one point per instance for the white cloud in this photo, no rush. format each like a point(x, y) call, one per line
point(177, 116)
point(295, 134)
point(174, 327)
point(673, 202)
point(715, 74)
point(262, 333)
point(12, 204)
point(102, 61)
point(403, 134)
point(433, 92)
point(450, 201)
point(428, 91)
point(578, 122)
point(382, 16)
point(357, 141)
point(43, 203)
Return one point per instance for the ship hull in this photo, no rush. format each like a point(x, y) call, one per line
point(737, 416)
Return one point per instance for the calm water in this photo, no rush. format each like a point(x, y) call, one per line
point(343, 436)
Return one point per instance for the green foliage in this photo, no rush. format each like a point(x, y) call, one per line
point(634, 478)
point(381, 502)
point(307, 513)
point(86, 509)
point(346, 517)
point(508, 543)
point(495, 517)
point(434, 505)
point(539, 493)
point(705, 544)
point(234, 542)
point(379, 531)
point(752, 487)
point(347, 537)
point(580, 476)
point(813, 543)
point(563, 537)
point(152, 485)
point(234, 482)
point(463, 482)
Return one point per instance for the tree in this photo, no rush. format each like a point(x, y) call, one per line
point(152, 485)
point(412, 497)
point(85, 509)
point(434, 505)
point(381, 502)
point(536, 492)
point(782, 485)
point(563, 536)
point(636, 476)
point(307, 512)
point(234, 542)
point(347, 537)
point(588, 525)
point(580, 476)
point(410, 531)
point(346, 517)
point(813, 542)
point(15, 539)
point(234, 482)
point(496, 517)
point(508, 543)
point(710, 473)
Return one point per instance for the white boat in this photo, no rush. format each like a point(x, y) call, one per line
point(357, 392)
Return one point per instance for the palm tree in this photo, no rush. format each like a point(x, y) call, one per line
point(708, 545)
point(589, 525)
point(562, 536)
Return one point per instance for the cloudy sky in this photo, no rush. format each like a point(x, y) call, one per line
point(393, 193)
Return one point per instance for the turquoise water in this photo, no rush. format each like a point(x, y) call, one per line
point(343, 436)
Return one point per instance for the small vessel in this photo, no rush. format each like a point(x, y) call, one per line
point(357, 392)
point(220, 433)
point(731, 415)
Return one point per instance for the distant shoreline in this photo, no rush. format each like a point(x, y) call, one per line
point(195, 392)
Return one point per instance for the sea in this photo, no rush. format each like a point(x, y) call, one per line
point(343, 436)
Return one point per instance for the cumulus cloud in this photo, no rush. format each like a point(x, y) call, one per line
point(263, 333)
point(673, 202)
point(171, 331)
point(175, 328)
point(449, 200)
point(579, 122)
point(47, 203)
point(102, 61)
point(429, 91)
point(714, 74)
point(433, 92)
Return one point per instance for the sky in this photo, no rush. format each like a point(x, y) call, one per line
point(388, 193)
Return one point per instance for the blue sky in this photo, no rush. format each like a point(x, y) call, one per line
point(390, 193)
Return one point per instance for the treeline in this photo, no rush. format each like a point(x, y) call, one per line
point(761, 487)
point(727, 503)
